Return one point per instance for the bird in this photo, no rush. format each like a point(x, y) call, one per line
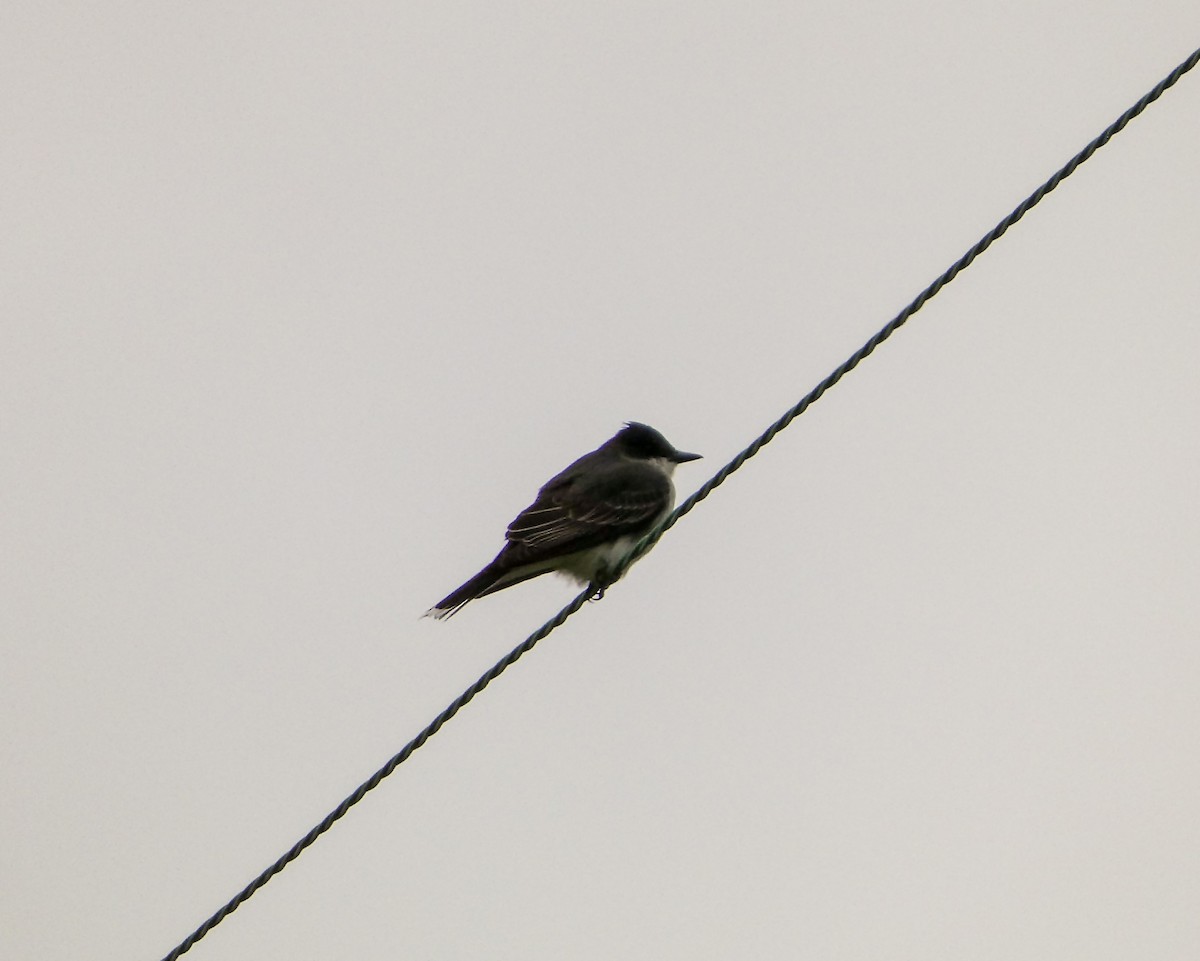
point(586, 519)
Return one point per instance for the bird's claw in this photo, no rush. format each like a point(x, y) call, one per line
point(600, 583)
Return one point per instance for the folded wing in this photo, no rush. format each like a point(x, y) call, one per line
point(574, 513)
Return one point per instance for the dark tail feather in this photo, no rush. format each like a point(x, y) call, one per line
point(495, 577)
point(477, 586)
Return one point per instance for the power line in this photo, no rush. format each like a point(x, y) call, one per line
point(707, 488)
point(921, 299)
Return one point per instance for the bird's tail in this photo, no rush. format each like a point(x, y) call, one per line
point(482, 583)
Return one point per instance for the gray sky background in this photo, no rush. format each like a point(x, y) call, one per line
point(303, 301)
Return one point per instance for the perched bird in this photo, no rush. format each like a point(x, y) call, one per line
point(586, 519)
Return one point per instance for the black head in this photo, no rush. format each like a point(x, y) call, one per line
point(645, 443)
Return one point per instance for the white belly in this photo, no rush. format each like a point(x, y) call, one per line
point(586, 565)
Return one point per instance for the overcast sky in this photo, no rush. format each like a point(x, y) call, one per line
point(303, 301)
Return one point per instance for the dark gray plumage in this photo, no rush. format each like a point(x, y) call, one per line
point(585, 519)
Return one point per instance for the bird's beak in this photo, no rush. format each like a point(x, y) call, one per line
point(682, 457)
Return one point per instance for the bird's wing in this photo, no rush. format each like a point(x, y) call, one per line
point(576, 511)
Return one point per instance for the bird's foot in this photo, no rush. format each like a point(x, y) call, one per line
point(600, 583)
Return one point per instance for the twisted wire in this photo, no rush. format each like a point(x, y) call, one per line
point(918, 302)
point(373, 781)
point(707, 488)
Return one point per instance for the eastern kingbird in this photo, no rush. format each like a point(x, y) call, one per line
point(586, 519)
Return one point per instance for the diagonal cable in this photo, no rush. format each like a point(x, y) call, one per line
point(901, 318)
point(707, 488)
